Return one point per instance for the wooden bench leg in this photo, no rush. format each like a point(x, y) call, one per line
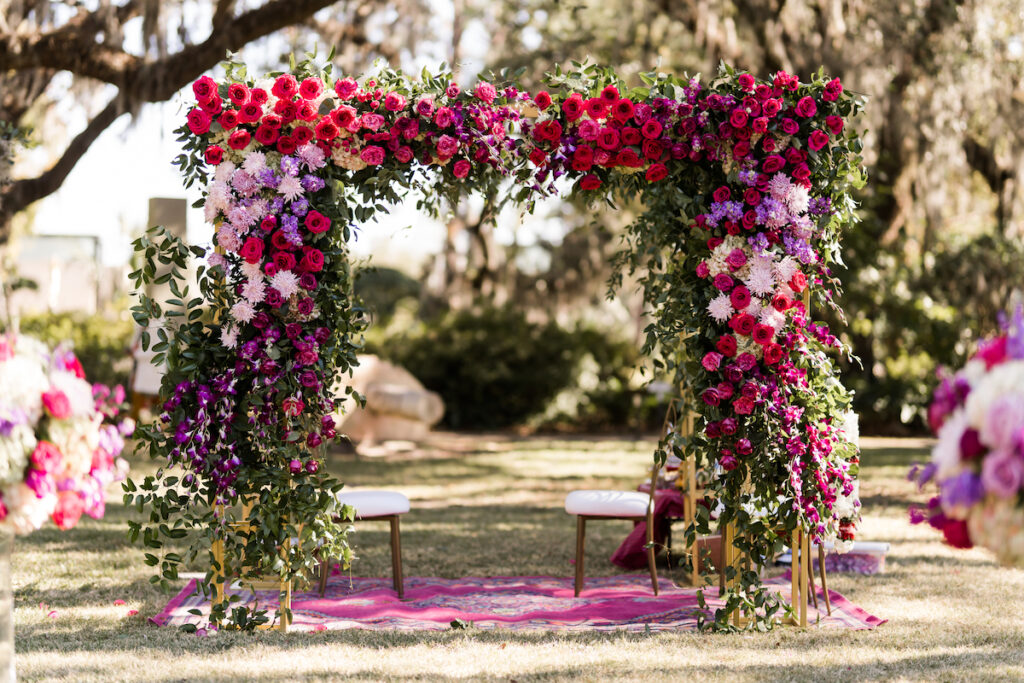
point(581, 532)
point(396, 557)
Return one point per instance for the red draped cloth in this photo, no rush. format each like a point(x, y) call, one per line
point(631, 554)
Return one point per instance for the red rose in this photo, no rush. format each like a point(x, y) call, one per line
point(651, 129)
point(461, 168)
point(781, 302)
point(772, 354)
point(573, 106)
point(312, 262)
point(252, 250)
point(317, 223)
point(832, 90)
point(741, 150)
point(806, 107)
point(743, 406)
point(346, 88)
point(608, 139)
point(284, 261)
point(310, 88)
point(628, 158)
point(214, 155)
point(722, 194)
point(542, 100)
point(404, 154)
point(250, 113)
point(726, 345)
point(746, 82)
point(212, 107)
point(740, 297)
point(622, 110)
point(306, 306)
point(795, 156)
point(652, 149)
point(763, 334)
point(305, 111)
point(266, 135)
point(834, 123)
point(790, 127)
point(743, 323)
point(372, 155)
point(69, 509)
point(802, 172)
point(538, 156)
point(656, 172)
point(238, 93)
point(293, 406)
point(590, 182)
point(286, 144)
point(630, 136)
point(239, 139)
point(205, 89)
point(773, 163)
point(596, 108)
point(198, 121)
point(770, 108)
point(228, 119)
point(738, 118)
point(759, 125)
point(768, 144)
point(57, 404)
point(285, 87)
point(610, 94)
point(817, 140)
point(302, 135)
point(326, 130)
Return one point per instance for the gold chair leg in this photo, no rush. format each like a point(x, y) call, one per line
point(396, 557)
point(824, 581)
point(581, 532)
point(810, 583)
point(650, 551)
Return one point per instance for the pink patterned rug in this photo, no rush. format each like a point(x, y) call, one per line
point(516, 603)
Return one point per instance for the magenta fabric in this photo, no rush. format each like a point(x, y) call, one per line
point(631, 554)
point(517, 603)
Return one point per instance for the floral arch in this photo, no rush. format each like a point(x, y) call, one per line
point(746, 186)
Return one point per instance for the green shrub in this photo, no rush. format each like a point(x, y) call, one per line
point(100, 342)
point(493, 367)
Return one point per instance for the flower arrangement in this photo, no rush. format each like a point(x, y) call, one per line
point(978, 416)
point(60, 439)
point(745, 186)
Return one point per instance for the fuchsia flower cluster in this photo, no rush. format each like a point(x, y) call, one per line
point(275, 146)
point(978, 462)
point(60, 437)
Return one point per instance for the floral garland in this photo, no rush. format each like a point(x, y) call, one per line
point(746, 188)
point(978, 416)
point(60, 437)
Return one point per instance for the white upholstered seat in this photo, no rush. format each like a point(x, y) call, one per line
point(374, 503)
point(607, 503)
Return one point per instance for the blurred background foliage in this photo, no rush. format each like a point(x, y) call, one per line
point(522, 333)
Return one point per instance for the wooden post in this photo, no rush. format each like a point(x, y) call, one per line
point(801, 552)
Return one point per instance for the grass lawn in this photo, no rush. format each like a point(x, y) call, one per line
point(491, 505)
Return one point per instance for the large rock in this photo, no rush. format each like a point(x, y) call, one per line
point(398, 407)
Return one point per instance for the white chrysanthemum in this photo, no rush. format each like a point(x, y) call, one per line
point(22, 383)
point(259, 208)
point(254, 163)
point(15, 449)
point(754, 307)
point(760, 280)
point(227, 238)
point(786, 268)
point(1006, 380)
point(252, 271)
point(26, 512)
point(224, 171)
point(946, 453)
point(290, 188)
point(243, 312)
point(254, 291)
point(720, 308)
point(797, 199)
point(78, 391)
point(229, 336)
point(285, 282)
point(779, 186)
point(219, 196)
point(210, 212)
point(772, 318)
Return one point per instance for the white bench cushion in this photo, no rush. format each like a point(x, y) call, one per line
point(607, 503)
point(375, 503)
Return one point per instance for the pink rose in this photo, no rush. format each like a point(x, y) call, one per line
point(371, 121)
point(444, 117)
point(346, 88)
point(285, 87)
point(728, 462)
point(740, 297)
point(404, 154)
point(790, 127)
point(70, 507)
point(293, 406)
point(425, 106)
point(46, 457)
point(447, 146)
point(743, 406)
point(57, 404)
point(746, 82)
point(486, 92)
point(461, 168)
point(1002, 473)
point(746, 361)
point(723, 282)
point(703, 270)
point(736, 258)
point(394, 101)
point(372, 155)
point(711, 361)
point(818, 139)
point(198, 121)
